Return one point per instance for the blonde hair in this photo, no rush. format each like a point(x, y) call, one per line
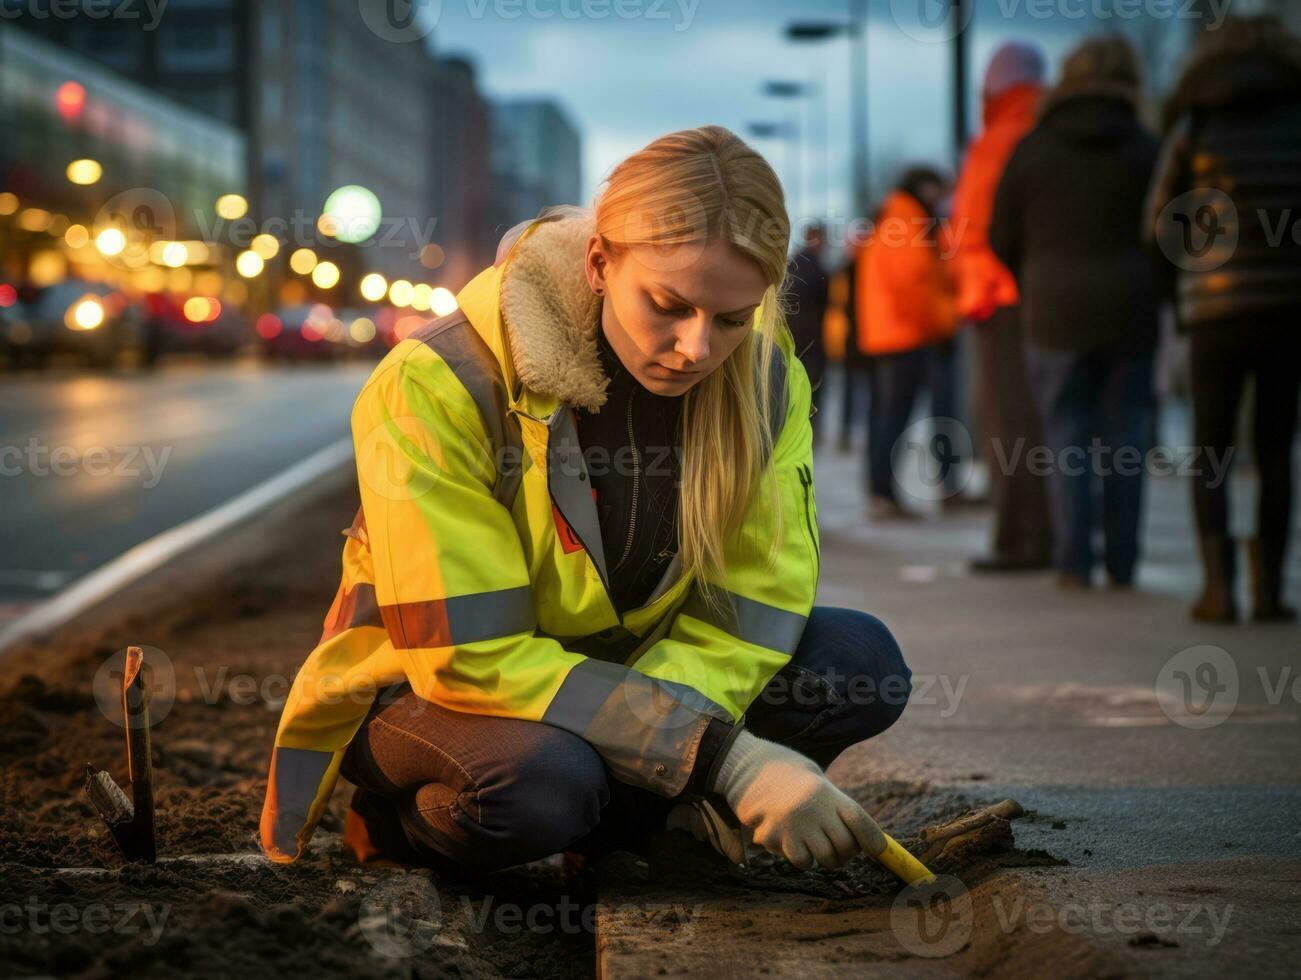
point(689, 188)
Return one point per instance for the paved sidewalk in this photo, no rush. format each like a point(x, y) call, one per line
point(1159, 756)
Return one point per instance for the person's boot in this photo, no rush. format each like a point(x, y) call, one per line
point(1265, 564)
point(1216, 603)
point(885, 509)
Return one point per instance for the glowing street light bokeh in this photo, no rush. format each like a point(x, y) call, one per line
point(353, 213)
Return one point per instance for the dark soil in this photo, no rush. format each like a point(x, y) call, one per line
point(233, 627)
point(224, 632)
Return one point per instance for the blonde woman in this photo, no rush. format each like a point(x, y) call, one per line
point(577, 600)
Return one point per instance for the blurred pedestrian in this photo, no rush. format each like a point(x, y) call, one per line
point(988, 298)
point(1065, 223)
point(807, 308)
point(1232, 163)
point(905, 305)
point(857, 366)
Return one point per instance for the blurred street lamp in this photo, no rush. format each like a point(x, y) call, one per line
point(856, 30)
point(175, 255)
point(110, 242)
point(373, 287)
point(362, 330)
point(76, 236)
point(784, 89)
point(249, 265)
point(443, 301)
point(86, 314)
point(326, 275)
point(8, 203)
point(34, 219)
point(401, 292)
point(266, 246)
point(960, 19)
point(231, 207)
point(70, 99)
point(354, 213)
point(84, 172)
point(303, 261)
point(789, 134)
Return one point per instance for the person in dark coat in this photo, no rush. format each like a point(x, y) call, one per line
point(1223, 209)
point(806, 295)
point(1066, 223)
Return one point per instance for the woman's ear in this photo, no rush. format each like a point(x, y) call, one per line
point(596, 265)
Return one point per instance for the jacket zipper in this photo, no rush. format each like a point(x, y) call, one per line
point(636, 485)
point(806, 480)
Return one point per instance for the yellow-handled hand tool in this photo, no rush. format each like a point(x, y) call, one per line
point(903, 864)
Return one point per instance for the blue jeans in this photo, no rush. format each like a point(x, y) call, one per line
point(461, 792)
point(897, 379)
point(1083, 397)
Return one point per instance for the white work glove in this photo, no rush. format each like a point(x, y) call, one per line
point(791, 807)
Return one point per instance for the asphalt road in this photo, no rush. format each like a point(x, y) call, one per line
point(92, 464)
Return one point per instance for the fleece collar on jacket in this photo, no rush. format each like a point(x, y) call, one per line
point(551, 315)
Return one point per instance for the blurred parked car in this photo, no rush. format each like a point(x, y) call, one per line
point(85, 319)
point(195, 324)
point(301, 333)
point(15, 327)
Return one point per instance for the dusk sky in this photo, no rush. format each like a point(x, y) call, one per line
point(669, 65)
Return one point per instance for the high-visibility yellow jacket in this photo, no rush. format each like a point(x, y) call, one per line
point(475, 569)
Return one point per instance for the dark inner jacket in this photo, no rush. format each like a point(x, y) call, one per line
point(632, 448)
point(1067, 223)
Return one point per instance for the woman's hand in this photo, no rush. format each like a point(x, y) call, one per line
point(791, 807)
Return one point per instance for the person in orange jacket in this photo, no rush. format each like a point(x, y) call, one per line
point(987, 296)
point(904, 307)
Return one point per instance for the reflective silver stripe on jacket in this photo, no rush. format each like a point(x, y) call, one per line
point(457, 620)
point(296, 777)
point(750, 621)
point(454, 339)
point(571, 489)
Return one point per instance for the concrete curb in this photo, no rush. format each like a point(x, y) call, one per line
point(156, 551)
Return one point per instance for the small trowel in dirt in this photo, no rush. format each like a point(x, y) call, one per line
point(130, 821)
point(896, 859)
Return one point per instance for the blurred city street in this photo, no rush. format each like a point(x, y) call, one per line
point(138, 454)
